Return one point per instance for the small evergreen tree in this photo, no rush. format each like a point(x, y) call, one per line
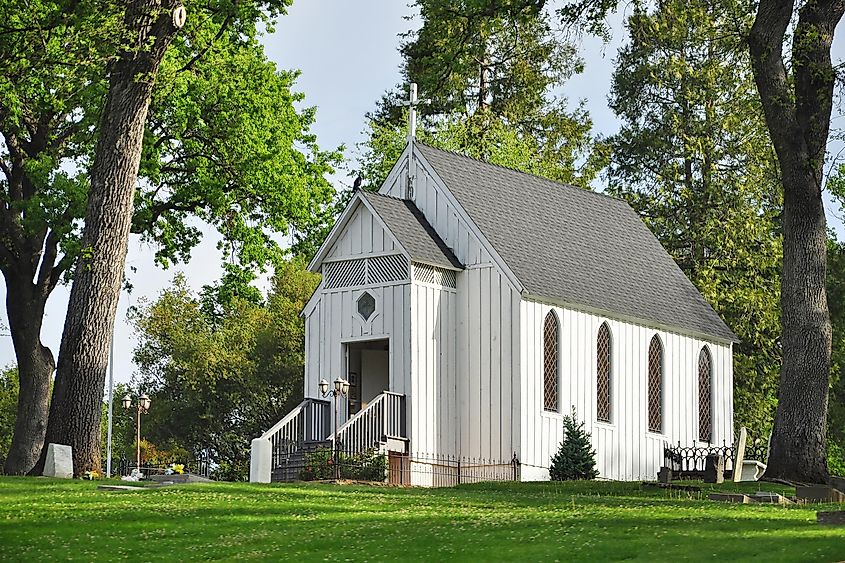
point(576, 458)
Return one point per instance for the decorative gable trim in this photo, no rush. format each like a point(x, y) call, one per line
point(340, 225)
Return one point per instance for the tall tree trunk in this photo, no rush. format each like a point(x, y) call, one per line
point(25, 310)
point(798, 445)
point(83, 356)
point(797, 115)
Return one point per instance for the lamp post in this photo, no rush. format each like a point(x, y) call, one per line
point(142, 406)
point(341, 389)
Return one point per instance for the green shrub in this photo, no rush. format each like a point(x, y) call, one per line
point(231, 471)
point(575, 459)
point(364, 466)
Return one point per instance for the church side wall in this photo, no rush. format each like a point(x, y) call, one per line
point(625, 449)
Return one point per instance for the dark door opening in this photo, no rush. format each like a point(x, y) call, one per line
point(368, 372)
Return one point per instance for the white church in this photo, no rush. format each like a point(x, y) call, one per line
point(470, 307)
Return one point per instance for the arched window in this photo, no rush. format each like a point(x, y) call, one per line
point(705, 395)
point(551, 361)
point(603, 366)
point(655, 385)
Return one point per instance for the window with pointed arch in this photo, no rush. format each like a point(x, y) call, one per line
point(655, 385)
point(705, 395)
point(603, 369)
point(551, 361)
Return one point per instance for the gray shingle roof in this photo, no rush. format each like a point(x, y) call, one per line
point(409, 225)
point(577, 246)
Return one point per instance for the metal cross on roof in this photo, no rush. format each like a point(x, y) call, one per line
point(412, 104)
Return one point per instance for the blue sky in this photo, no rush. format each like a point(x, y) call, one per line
point(347, 52)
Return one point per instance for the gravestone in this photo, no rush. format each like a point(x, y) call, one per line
point(730, 497)
point(664, 475)
point(834, 517)
point(714, 469)
point(59, 462)
point(739, 457)
point(819, 493)
point(769, 498)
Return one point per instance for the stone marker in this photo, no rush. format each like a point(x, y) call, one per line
point(664, 475)
point(730, 497)
point(59, 462)
point(714, 469)
point(773, 498)
point(120, 488)
point(819, 493)
point(740, 455)
point(835, 517)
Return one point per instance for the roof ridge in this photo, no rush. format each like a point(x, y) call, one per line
point(523, 172)
point(369, 193)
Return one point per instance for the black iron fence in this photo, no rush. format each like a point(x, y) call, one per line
point(201, 466)
point(395, 468)
point(690, 461)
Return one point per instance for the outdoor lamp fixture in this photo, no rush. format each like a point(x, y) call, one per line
point(142, 406)
point(341, 389)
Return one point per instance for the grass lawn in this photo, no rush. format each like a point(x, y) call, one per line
point(43, 519)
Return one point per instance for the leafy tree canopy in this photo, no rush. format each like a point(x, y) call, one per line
point(224, 141)
point(491, 71)
point(221, 373)
point(693, 156)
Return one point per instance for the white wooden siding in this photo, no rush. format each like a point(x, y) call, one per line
point(625, 449)
point(363, 235)
point(433, 396)
point(488, 368)
point(334, 321)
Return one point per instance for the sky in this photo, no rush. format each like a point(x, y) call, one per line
point(347, 54)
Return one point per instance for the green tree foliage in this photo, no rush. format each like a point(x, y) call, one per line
point(693, 157)
point(219, 374)
point(490, 70)
point(575, 459)
point(8, 409)
point(227, 143)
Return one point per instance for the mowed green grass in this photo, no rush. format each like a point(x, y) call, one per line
point(43, 519)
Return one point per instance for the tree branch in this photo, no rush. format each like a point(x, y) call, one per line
point(765, 42)
point(223, 27)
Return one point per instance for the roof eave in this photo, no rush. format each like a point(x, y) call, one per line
point(635, 320)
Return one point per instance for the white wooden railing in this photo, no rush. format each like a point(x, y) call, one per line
point(307, 422)
point(383, 418)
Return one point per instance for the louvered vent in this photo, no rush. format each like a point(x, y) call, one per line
point(390, 268)
point(365, 271)
point(436, 276)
